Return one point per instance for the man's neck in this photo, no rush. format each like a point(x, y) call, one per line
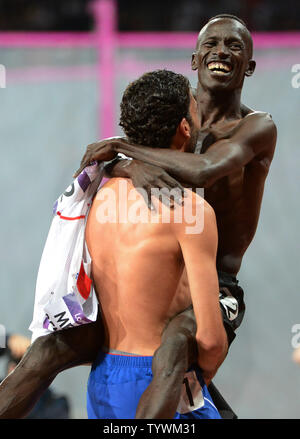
point(215, 107)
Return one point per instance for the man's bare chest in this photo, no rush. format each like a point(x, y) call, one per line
point(226, 191)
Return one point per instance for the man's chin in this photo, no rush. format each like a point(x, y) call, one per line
point(216, 84)
point(212, 79)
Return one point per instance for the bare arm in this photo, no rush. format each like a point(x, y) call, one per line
point(253, 136)
point(199, 253)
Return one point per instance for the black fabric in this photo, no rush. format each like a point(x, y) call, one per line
point(232, 303)
point(224, 409)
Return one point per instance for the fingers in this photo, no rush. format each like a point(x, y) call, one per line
point(159, 192)
point(96, 151)
point(103, 150)
point(173, 190)
point(160, 186)
point(86, 160)
point(167, 195)
point(146, 194)
point(78, 172)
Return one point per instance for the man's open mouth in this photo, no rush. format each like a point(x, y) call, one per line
point(220, 68)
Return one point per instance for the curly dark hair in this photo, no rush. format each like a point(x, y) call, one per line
point(153, 106)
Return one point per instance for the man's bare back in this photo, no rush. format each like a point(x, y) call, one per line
point(130, 270)
point(137, 275)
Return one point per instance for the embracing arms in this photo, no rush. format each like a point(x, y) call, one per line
point(255, 135)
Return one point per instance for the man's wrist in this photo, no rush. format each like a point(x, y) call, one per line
point(120, 167)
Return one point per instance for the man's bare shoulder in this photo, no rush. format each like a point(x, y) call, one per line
point(258, 119)
point(264, 128)
point(256, 130)
point(246, 111)
point(254, 127)
point(259, 116)
point(194, 217)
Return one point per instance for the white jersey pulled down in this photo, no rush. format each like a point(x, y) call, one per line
point(64, 295)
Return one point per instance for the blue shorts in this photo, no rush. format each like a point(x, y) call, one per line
point(116, 383)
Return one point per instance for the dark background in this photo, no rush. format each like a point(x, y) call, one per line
point(154, 15)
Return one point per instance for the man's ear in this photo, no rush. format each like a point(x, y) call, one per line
point(194, 62)
point(250, 68)
point(182, 136)
point(184, 128)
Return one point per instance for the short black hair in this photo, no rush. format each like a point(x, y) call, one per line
point(153, 106)
point(233, 17)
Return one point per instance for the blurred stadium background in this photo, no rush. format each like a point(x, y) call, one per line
point(67, 64)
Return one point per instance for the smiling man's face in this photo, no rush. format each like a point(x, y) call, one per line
point(223, 55)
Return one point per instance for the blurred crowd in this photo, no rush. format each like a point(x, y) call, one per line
point(47, 15)
point(154, 15)
point(191, 15)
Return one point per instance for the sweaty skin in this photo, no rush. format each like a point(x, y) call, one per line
point(237, 145)
point(127, 272)
point(231, 161)
point(244, 153)
point(137, 275)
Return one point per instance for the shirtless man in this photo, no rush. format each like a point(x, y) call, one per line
point(235, 149)
point(137, 272)
point(236, 145)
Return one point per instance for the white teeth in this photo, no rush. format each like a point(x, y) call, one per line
point(219, 66)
